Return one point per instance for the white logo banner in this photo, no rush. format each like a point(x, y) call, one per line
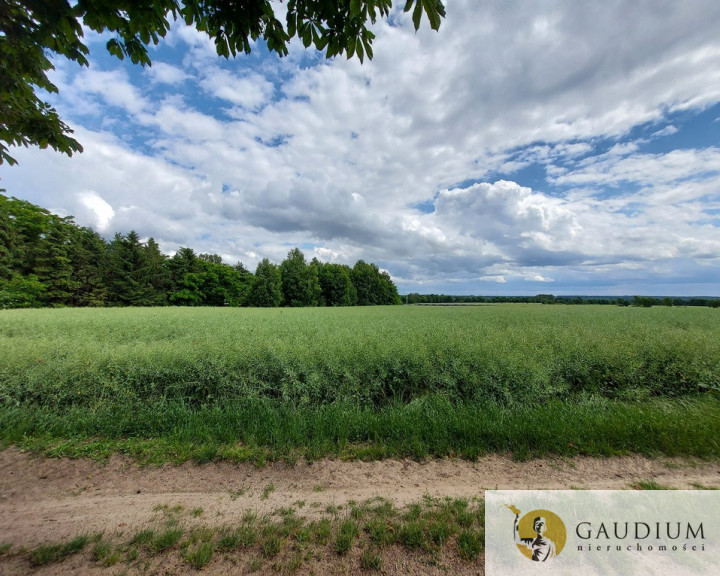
point(600, 532)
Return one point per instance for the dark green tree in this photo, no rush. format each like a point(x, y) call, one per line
point(89, 256)
point(6, 240)
point(155, 274)
point(373, 286)
point(221, 284)
point(27, 225)
point(53, 264)
point(243, 285)
point(300, 283)
point(185, 278)
point(127, 281)
point(22, 292)
point(266, 289)
point(33, 32)
point(336, 286)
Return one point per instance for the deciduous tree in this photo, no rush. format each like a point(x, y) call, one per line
point(300, 283)
point(267, 286)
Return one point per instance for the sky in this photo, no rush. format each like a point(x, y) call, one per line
point(564, 147)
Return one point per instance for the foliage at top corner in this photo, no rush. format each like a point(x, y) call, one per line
point(32, 31)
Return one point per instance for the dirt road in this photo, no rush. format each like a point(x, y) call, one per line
point(49, 500)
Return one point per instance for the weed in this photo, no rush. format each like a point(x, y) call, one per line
point(166, 539)
point(439, 531)
point(271, 546)
point(294, 563)
point(381, 533)
point(321, 531)
point(201, 555)
point(142, 538)
point(470, 544)
point(650, 485)
point(55, 552)
point(247, 535)
point(348, 531)
point(200, 534)
point(343, 543)
point(269, 489)
point(411, 535)
point(249, 517)
point(303, 535)
point(103, 552)
point(371, 560)
point(414, 512)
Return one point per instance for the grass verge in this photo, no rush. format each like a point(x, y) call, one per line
point(359, 534)
point(430, 426)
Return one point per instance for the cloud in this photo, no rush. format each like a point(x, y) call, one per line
point(99, 212)
point(113, 87)
point(164, 73)
point(644, 169)
point(251, 91)
point(247, 157)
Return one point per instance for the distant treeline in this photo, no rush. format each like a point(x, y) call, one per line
point(641, 301)
point(47, 260)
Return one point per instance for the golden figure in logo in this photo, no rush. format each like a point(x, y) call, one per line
point(550, 533)
point(542, 547)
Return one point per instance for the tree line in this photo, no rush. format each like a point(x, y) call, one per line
point(636, 301)
point(48, 260)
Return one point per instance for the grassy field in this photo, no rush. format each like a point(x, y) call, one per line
point(179, 383)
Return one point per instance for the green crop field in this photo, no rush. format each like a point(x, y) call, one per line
point(369, 382)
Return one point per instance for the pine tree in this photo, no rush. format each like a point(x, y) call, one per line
point(53, 263)
point(89, 256)
point(155, 274)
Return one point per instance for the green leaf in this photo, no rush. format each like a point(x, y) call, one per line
point(322, 41)
point(372, 12)
point(113, 46)
point(368, 48)
point(432, 9)
point(355, 7)
point(307, 37)
point(359, 50)
point(417, 14)
point(292, 24)
point(334, 46)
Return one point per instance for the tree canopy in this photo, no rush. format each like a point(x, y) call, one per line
point(47, 260)
point(33, 31)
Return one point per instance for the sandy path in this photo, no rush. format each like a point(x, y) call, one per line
point(45, 500)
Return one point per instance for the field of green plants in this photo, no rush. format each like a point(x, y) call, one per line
point(206, 383)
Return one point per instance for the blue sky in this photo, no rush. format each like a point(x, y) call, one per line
point(527, 147)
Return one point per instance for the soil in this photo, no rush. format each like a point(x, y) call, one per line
point(52, 500)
